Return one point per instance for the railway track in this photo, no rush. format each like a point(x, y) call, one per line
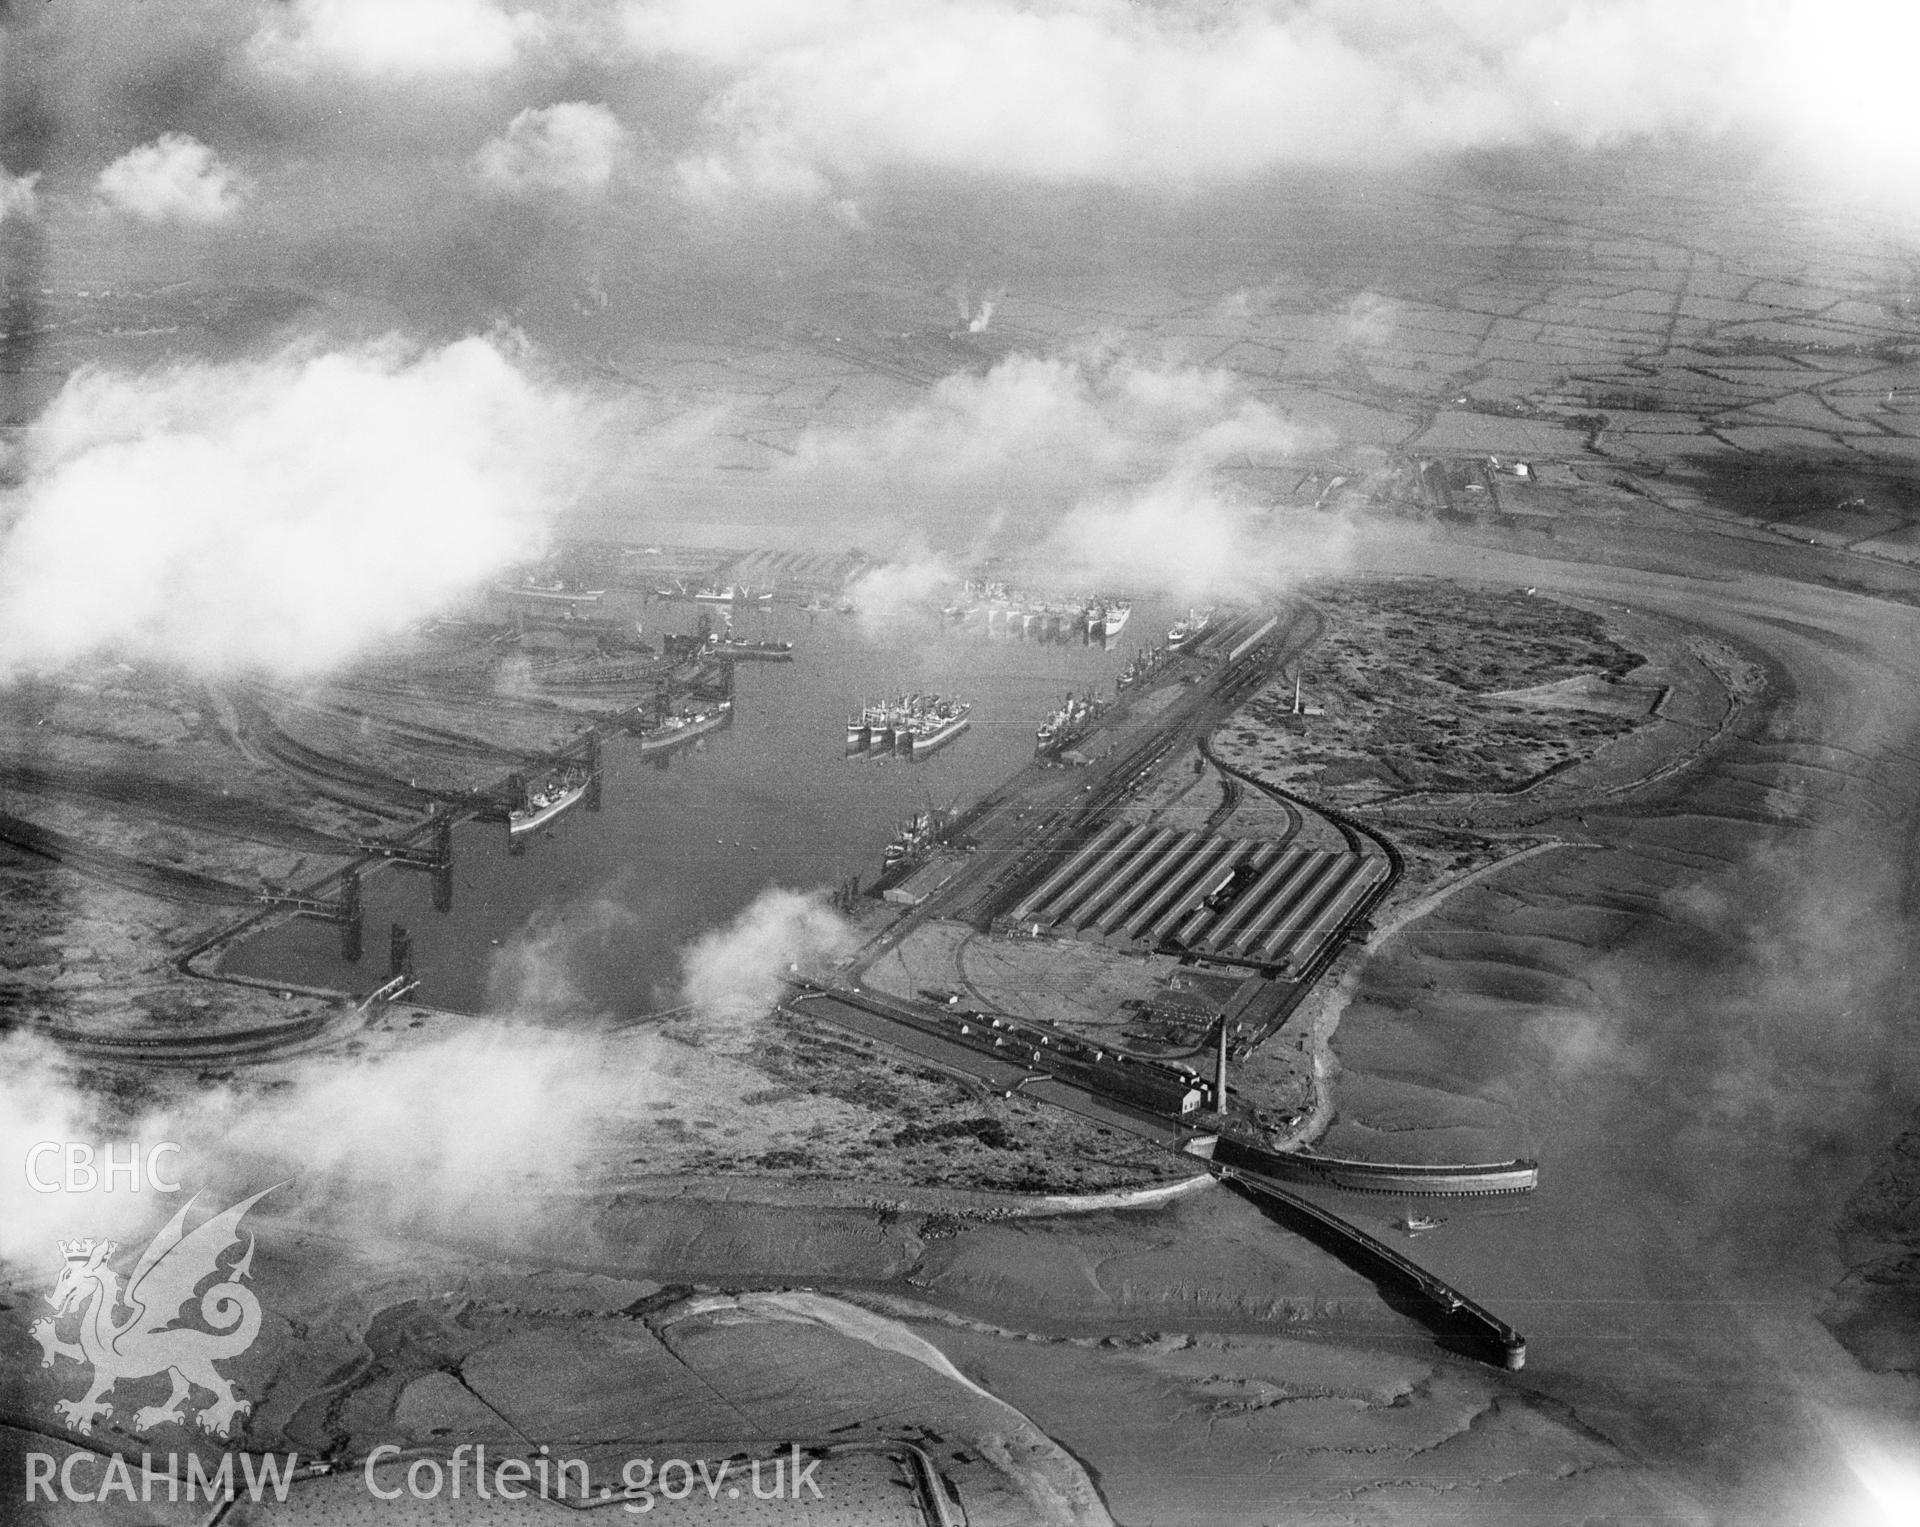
point(122, 869)
point(1017, 1058)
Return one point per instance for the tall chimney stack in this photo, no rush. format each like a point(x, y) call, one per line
point(1220, 1070)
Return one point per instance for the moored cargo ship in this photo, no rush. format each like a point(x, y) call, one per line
point(732, 594)
point(917, 834)
point(554, 796)
point(550, 591)
point(935, 726)
point(1186, 630)
point(912, 726)
point(1145, 662)
point(671, 731)
point(1067, 725)
point(742, 650)
point(1006, 611)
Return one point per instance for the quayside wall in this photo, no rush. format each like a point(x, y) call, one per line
point(1470, 1180)
point(1456, 1314)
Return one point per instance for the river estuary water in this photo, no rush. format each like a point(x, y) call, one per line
point(684, 841)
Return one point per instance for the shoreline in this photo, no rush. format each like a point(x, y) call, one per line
point(979, 1204)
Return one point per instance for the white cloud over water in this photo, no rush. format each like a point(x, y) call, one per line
point(279, 513)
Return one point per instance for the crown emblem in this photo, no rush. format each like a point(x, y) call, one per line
point(80, 1251)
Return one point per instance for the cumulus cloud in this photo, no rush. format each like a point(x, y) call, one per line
point(1183, 536)
point(573, 147)
point(39, 1102)
point(378, 39)
point(279, 513)
point(476, 1132)
point(1177, 94)
point(175, 178)
point(1098, 464)
point(1101, 89)
point(18, 198)
point(735, 972)
point(1036, 426)
point(450, 1135)
point(488, 1129)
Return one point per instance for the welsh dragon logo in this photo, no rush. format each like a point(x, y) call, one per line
point(149, 1340)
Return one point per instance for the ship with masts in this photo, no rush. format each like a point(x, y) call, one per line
point(913, 726)
point(682, 726)
point(919, 833)
point(1144, 663)
point(550, 590)
point(729, 643)
point(1195, 624)
point(1067, 725)
point(1006, 611)
point(549, 798)
point(732, 594)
